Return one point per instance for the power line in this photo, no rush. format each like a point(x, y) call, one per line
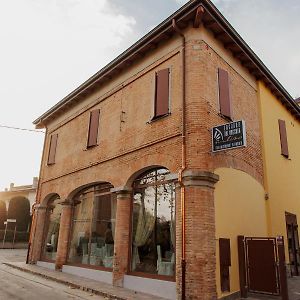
point(23, 129)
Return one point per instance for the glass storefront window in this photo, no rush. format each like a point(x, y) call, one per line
point(153, 224)
point(92, 241)
point(54, 212)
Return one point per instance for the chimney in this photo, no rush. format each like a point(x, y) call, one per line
point(11, 186)
point(35, 182)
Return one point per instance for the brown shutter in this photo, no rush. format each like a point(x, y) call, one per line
point(225, 262)
point(283, 138)
point(52, 149)
point(225, 257)
point(93, 128)
point(162, 93)
point(224, 93)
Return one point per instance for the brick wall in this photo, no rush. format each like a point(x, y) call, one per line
point(127, 147)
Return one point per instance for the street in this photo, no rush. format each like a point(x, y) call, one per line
point(15, 284)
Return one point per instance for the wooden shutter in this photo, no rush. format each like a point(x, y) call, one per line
point(225, 263)
point(52, 149)
point(283, 138)
point(224, 94)
point(162, 93)
point(225, 257)
point(93, 128)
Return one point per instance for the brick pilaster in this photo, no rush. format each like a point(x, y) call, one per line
point(64, 234)
point(40, 212)
point(199, 236)
point(122, 235)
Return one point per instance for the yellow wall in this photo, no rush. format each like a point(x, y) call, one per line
point(281, 174)
point(240, 210)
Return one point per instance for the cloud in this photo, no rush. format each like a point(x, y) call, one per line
point(146, 13)
point(48, 48)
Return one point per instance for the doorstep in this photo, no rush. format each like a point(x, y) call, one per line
point(74, 281)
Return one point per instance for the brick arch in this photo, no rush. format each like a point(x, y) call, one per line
point(139, 172)
point(241, 170)
point(49, 199)
point(231, 162)
point(84, 186)
point(147, 161)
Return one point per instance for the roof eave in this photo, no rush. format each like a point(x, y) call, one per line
point(166, 26)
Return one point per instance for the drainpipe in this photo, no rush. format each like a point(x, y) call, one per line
point(183, 163)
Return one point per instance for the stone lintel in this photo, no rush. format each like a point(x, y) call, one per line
point(172, 176)
point(199, 178)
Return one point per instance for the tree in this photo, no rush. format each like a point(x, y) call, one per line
point(19, 209)
point(3, 214)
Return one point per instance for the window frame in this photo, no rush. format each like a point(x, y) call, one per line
point(96, 193)
point(130, 254)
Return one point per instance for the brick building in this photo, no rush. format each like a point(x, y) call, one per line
point(131, 192)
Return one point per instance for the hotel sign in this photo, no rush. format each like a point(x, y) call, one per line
point(229, 136)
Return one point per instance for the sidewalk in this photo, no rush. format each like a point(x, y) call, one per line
point(77, 282)
point(294, 291)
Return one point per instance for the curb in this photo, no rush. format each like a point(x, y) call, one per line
point(70, 284)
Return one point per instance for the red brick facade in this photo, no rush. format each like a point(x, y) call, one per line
point(129, 143)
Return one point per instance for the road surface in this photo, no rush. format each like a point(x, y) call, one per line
point(18, 285)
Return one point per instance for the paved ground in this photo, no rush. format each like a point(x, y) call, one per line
point(294, 288)
point(12, 261)
point(17, 285)
point(294, 291)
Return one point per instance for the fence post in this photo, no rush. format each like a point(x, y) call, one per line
point(282, 269)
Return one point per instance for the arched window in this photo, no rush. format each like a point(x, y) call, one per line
point(52, 228)
point(153, 224)
point(92, 241)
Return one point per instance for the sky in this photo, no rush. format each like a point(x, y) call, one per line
point(49, 47)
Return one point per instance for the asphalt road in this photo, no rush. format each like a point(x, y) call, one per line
point(18, 285)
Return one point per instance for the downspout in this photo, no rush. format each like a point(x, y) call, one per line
point(183, 162)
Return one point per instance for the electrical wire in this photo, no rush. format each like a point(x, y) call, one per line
point(23, 129)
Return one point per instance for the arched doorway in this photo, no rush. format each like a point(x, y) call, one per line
point(153, 224)
point(19, 209)
point(93, 227)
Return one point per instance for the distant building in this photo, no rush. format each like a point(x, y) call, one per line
point(16, 203)
point(25, 191)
